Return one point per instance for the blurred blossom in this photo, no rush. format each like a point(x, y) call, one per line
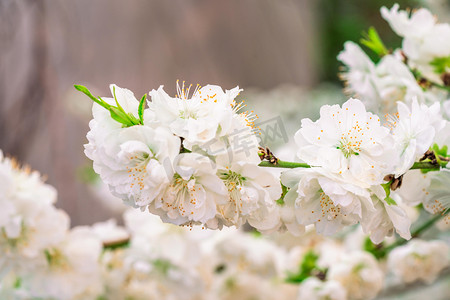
point(419, 260)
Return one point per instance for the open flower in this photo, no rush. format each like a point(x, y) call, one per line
point(359, 273)
point(423, 39)
point(193, 193)
point(252, 192)
point(349, 142)
point(72, 269)
point(386, 218)
point(414, 131)
point(238, 143)
point(135, 162)
point(419, 260)
point(29, 222)
point(437, 195)
point(315, 289)
point(360, 75)
point(324, 200)
point(161, 262)
point(197, 118)
point(382, 85)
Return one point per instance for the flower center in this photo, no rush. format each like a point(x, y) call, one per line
point(348, 148)
point(182, 190)
point(329, 210)
point(350, 141)
point(56, 258)
point(137, 169)
point(233, 182)
point(188, 114)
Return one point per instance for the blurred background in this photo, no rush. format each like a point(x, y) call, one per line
point(283, 53)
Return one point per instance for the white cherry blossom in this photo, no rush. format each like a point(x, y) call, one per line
point(252, 192)
point(423, 38)
point(386, 218)
point(136, 162)
point(315, 289)
point(197, 118)
point(349, 142)
point(359, 273)
point(72, 269)
point(325, 201)
point(414, 131)
point(382, 85)
point(192, 194)
point(419, 260)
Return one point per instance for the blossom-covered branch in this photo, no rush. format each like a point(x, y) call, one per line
point(194, 159)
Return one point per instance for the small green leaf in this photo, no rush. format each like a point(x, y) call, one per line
point(117, 112)
point(387, 188)
point(87, 174)
point(85, 91)
point(141, 109)
point(372, 40)
point(390, 201)
point(284, 190)
point(256, 234)
point(440, 64)
point(18, 283)
point(376, 250)
point(120, 116)
point(133, 119)
point(307, 267)
point(163, 265)
point(48, 256)
point(440, 151)
point(115, 98)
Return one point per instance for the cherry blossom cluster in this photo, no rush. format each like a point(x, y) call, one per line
point(193, 159)
point(41, 258)
point(148, 259)
point(420, 69)
point(170, 262)
point(356, 161)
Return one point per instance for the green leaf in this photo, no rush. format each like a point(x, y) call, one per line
point(376, 250)
point(255, 233)
point(18, 283)
point(284, 190)
point(440, 64)
point(85, 91)
point(141, 109)
point(87, 174)
point(390, 201)
point(372, 40)
point(117, 102)
point(120, 116)
point(307, 267)
point(440, 151)
point(387, 188)
point(117, 112)
point(48, 256)
point(163, 265)
point(133, 119)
